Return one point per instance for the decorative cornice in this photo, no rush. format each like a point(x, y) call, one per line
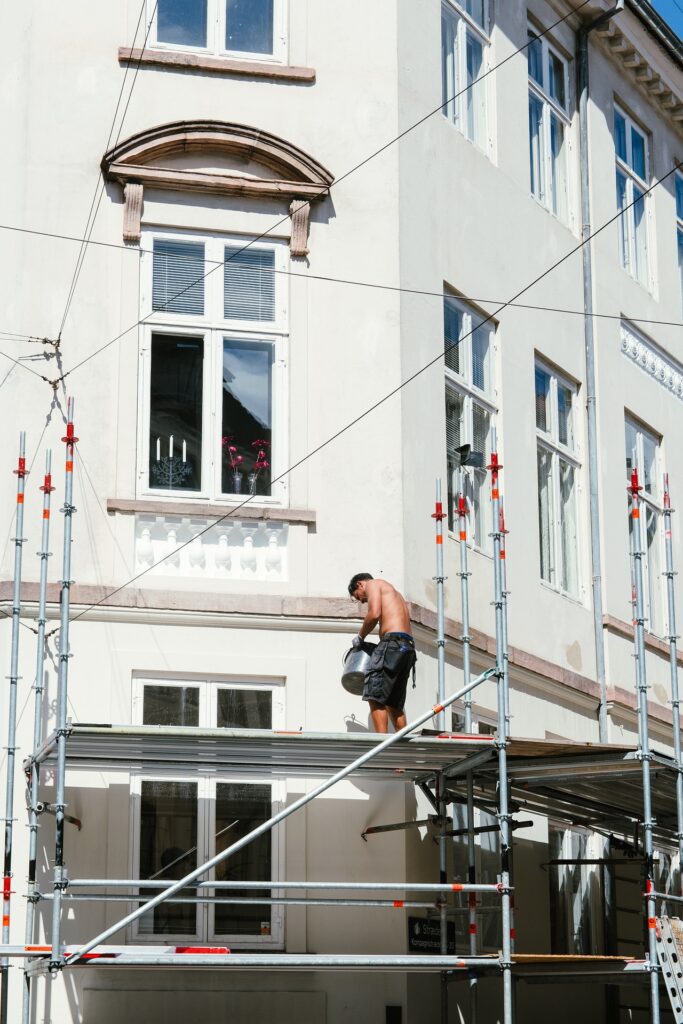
point(150, 158)
point(652, 360)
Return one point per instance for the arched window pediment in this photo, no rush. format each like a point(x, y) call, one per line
point(221, 158)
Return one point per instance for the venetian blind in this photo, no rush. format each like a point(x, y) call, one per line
point(249, 284)
point(178, 277)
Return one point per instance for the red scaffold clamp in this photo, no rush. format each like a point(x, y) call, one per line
point(439, 513)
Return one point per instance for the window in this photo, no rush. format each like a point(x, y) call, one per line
point(643, 450)
point(182, 822)
point(487, 868)
point(576, 890)
point(548, 124)
point(237, 27)
point(470, 412)
point(679, 227)
point(633, 174)
point(464, 45)
point(214, 367)
point(558, 471)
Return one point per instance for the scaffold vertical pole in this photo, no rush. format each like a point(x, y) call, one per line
point(438, 516)
point(20, 472)
point(506, 691)
point(644, 744)
point(68, 510)
point(673, 667)
point(466, 640)
point(503, 807)
point(33, 772)
point(443, 879)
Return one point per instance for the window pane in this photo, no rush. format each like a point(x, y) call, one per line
point(448, 61)
point(535, 145)
point(638, 153)
point(249, 284)
point(648, 470)
point(244, 709)
point(455, 404)
point(622, 223)
point(620, 136)
point(631, 447)
point(453, 329)
point(247, 416)
point(679, 196)
point(565, 415)
point(556, 81)
point(481, 358)
point(170, 705)
point(557, 166)
point(476, 10)
point(475, 95)
point(175, 420)
point(249, 26)
point(640, 234)
point(568, 528)
point(168, 850)
point(535, 58)
point(546, 515)
point(542, 399)
point(480, 518)
point(241, 807)
point(680, 258)
point(182, 22)
point(653, 576)
point(178, 277)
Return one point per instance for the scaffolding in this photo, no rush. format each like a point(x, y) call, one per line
point(607, 788)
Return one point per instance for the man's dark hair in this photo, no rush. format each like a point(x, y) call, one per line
point(358, 578)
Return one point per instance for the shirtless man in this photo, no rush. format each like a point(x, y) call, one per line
point(394, 656)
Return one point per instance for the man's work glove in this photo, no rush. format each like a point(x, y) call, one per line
point(357, 641)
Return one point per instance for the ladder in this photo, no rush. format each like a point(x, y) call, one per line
point(670, 956)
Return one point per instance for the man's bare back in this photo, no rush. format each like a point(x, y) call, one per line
point(386, 606)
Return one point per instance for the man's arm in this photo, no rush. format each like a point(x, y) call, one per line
point(374, 612)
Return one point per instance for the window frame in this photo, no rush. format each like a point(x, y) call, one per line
point(628, 260)
point(549, 442)
point(215, 33)
point(564, 213)
point(654, 586)
point(213, 331)
point(471, 394)
point(455, 110)
point(209, 686)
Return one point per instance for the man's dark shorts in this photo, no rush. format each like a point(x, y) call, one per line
point(390, 666)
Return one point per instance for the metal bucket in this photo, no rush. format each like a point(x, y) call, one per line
point(355, 664)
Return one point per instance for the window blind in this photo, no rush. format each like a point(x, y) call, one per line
point(249, 284)
point(178, 277)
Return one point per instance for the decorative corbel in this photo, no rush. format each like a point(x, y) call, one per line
point(132, 211)
point(299, 211)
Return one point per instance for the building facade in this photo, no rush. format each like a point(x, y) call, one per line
point(292, 313)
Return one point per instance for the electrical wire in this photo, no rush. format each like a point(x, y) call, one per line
point(99, 187)
point(352, 170)
point(352, 282)
point(390, 394)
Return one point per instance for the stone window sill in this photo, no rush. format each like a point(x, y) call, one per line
point(190, 508)
point(177, 60)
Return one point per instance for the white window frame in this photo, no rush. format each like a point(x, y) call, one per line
point(564, 211)
point(655, 618)
point(628, 259)
point(679, 230)
point(215, 34)
point(472, 395)
point(213, 331)
point(589, 886)
point(456, 109)
point(206, 805)
point(549, 442)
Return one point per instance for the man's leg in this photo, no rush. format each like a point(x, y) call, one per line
point(378, 714)
point(398, 718)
